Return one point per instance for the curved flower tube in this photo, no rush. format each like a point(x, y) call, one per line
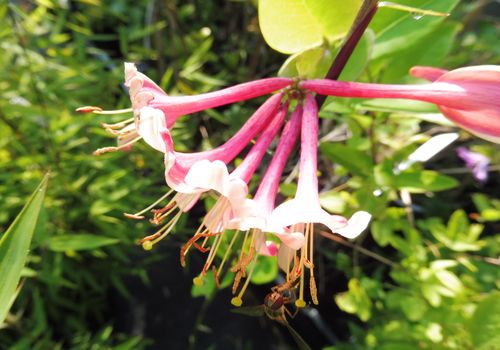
point(470, 97)
point(178, 165)
point(151, 105)
point(300, 213)
point(233, 193)
point(196, 173)
point(256, 212)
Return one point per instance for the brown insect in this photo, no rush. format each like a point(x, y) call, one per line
point(275, 308)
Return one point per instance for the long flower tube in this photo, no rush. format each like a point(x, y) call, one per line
point(256, 212)
point(178, 165)
point(470, 97)
point(191, 174)
point(152, 106)
point(233, 193)
point(253, 216)
point(300, 214)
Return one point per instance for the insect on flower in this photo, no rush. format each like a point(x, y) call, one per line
point(275, 307)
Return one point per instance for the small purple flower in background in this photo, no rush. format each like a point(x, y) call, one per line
point(477, 162)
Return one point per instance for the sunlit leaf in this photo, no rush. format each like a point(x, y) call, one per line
point(288, 26)
point(291, 26)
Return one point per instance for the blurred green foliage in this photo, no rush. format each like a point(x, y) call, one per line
point(439, 274)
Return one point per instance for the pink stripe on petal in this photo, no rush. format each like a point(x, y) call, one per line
point(427, 73)
point(358, 222)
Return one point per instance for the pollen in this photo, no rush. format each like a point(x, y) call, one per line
point(147, 245)
point(198, 281)
point(237, 301)
point(300, 303)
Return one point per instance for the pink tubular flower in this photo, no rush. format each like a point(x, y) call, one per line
point(253, 216)
point(256, 212)
point(190, 175)
point(154, 110)
point(470, 97)
point(300, 213)
point(180, 174)
point(232, 197)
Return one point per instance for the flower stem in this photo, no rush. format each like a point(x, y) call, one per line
point(361, 22)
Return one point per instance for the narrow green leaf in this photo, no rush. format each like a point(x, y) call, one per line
point(14, 247)
point(408, 30)
point(64, 243)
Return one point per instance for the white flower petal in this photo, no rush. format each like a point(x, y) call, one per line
point(355, 225)
point(150, 125)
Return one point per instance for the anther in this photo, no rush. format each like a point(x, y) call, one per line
point(133, 216)
point(89, 109)
point(198, 280)
point(300, 303)
point(147, 245)
point(237, 301)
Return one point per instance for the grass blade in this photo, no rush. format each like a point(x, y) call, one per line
point(14, 247)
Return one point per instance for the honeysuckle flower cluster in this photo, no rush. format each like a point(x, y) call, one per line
point(248, 225)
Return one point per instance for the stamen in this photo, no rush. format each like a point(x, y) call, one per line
point(116, 111)
point(240, 269)
point(161, 214)
point(191, 242)
point(118, 125)
point(139, 216)
point(103, 150)
point(312, 282)
point(228, 251)
point(238, 301)
point(99, 110)
point(300, 303)
point(171, 224)
point(199, 279)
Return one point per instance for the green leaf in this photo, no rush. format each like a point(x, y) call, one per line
point(315, 62)
point(355, 301)
point(334, 17)
point(424, 181)
point(332, 201)
point(288, 26)
point(457, 224)
point(14, 247)
point(431, 50)
point(357, 162)
point(266, 270)
point(291, 26)
point(311, 63)
point(382, 233)
point(406, 31)
point(485, 323)
point(64, 243)
point(414, 308)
